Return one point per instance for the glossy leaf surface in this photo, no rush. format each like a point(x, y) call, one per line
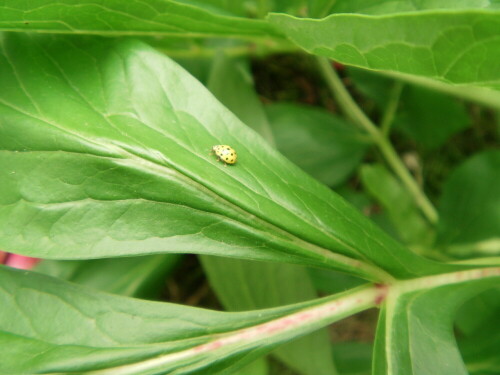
point(115, 142)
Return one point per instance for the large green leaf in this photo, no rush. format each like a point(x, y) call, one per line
point(415, 331)
point(105, 152)
point(470, 207)
point(244, 285)
point(159, 337)
point(136, 17)
point(461, 47)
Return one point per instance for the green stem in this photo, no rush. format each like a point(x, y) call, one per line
point(390, 110)
point(358, 117)
point(392, 158)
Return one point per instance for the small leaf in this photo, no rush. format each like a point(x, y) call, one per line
point(320, 143)
point(430, 118)
point(470, 207)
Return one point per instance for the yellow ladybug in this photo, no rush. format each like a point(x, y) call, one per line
point(225, 153)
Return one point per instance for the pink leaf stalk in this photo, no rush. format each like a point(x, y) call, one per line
point(18, 261)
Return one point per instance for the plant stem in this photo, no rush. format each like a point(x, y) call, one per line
point(354, 113)
point(390, 110)
point(392, 158)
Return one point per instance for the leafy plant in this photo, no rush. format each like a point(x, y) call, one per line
point(106, 174)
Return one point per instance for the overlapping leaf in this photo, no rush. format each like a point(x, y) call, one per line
point(400, 6)
point(460, 47)
point(320, 143)
point(243, 285)
point(470, 207)
point(403, 214)
point(141, 277)
point(415, 333)
point(159, 337)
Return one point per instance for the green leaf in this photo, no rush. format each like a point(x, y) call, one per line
point(115, 142)
point(470, 208)
point(415, 331)
point(227, 7)
point(377, 85)
point(141, 277)
point(159, 337)
point(111, 17)
point(320, 143)
point(480, 349)
point(231, 82)
point(398, 6)
point(243, 285)
point(330, 282)
point(460, 47)
point(353, 358)
point(477, 340)
point(258, 367)
point(371, 84)
point(429, 117)
point(403, 213)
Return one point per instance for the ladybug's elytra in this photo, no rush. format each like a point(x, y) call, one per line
point(225, 153)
